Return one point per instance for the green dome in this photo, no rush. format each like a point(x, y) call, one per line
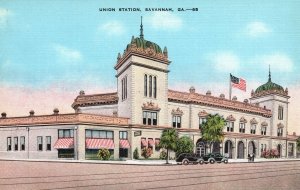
point(142, 43)
point(269, 86)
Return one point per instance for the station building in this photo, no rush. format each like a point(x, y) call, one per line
point(142, 107)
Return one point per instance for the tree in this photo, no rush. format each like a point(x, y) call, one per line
point(136, 154)
point(212, 129)
point(184, 145)
point(168, 141)
point(298, 144)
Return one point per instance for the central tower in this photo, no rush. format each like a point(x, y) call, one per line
point(142, 78)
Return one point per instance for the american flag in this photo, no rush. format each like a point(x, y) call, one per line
point(238, 83)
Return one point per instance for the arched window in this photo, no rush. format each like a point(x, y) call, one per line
point(154, 87)
point(145, 85)
point(280, 113)
point(150, 86)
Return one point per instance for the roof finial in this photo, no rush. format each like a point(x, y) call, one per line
point(269, 74)
point(141, 30)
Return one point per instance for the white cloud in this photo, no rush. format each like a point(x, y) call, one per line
point(225, 61)
point(277, 61)
point(257, 29)
point(66, 54)
point(165, 21)
point(112, 28)
point(4, 14)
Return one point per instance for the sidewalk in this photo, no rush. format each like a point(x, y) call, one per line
point(147, 162)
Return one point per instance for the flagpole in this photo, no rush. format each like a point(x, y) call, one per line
point(230, 87)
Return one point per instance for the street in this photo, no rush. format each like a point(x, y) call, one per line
point(52, 175)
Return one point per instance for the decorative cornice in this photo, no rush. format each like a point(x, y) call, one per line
point(243, 120)
point(178, 111)
point(195, 98)
point(75, 118)
point(269, 92)
point(146, 53)
point(203, 114)
point(280, 125)
point(150, 106)
point(230, 118)
point(264, 124)
point(253, 121)
point(95, 99)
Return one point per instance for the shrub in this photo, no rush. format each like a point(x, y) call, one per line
point(184, 145)
point(163, 155)
point(136, 154)
point(146, 152)
point(103, 154)
point(273, 153)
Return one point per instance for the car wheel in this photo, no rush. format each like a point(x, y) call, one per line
point(201, 162)
point(185, 162)
point(226, 161)
point(212, 161)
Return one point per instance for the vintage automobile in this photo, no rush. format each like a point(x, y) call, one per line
point(215, 157)
point(187, 158)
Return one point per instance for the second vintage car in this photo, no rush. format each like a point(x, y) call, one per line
point(215, 157)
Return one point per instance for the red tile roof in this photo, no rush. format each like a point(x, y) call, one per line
point(195, 98)
point(95, 99)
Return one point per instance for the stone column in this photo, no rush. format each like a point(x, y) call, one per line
point(80, 138)
point(117, 144)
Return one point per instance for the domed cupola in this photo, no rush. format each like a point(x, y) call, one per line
point(269, 88)
point(143, 48)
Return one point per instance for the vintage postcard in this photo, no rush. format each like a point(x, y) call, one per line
point(149, 94)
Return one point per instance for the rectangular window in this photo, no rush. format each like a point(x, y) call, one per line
point(123, 134)
point(16, 143)
point(88, 134)
point(99, 134)
point(48, 141)
point(253, 129)
point(263, 130)
point(65, 133)
point(150, 86)
point(22, 143)
point(242, 127)
point(202, 120)
point(149, 118)
point(279, 132)
point(145, 85)
point(176, 121)
point(123, 152)
point(122, 81)
point(230, 126)
point(40, 143)
point(154, 87)
point(109, 135)
point(103, 134)
point(154, 118)
point(144, 117)
point(8, 143)
point(280, 113)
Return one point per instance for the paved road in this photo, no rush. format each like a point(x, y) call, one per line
point(49, 176)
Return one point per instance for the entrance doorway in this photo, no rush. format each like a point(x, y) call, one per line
point(241, 147)
point(228, 149)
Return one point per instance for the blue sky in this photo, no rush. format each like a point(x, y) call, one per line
point(54, 42)
point(66, 46)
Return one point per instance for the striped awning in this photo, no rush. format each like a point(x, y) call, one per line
point(124, 143)
point(157, 142)
point(64, 143)
point(99, 143)
point(144, 142)
point(151, 142)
